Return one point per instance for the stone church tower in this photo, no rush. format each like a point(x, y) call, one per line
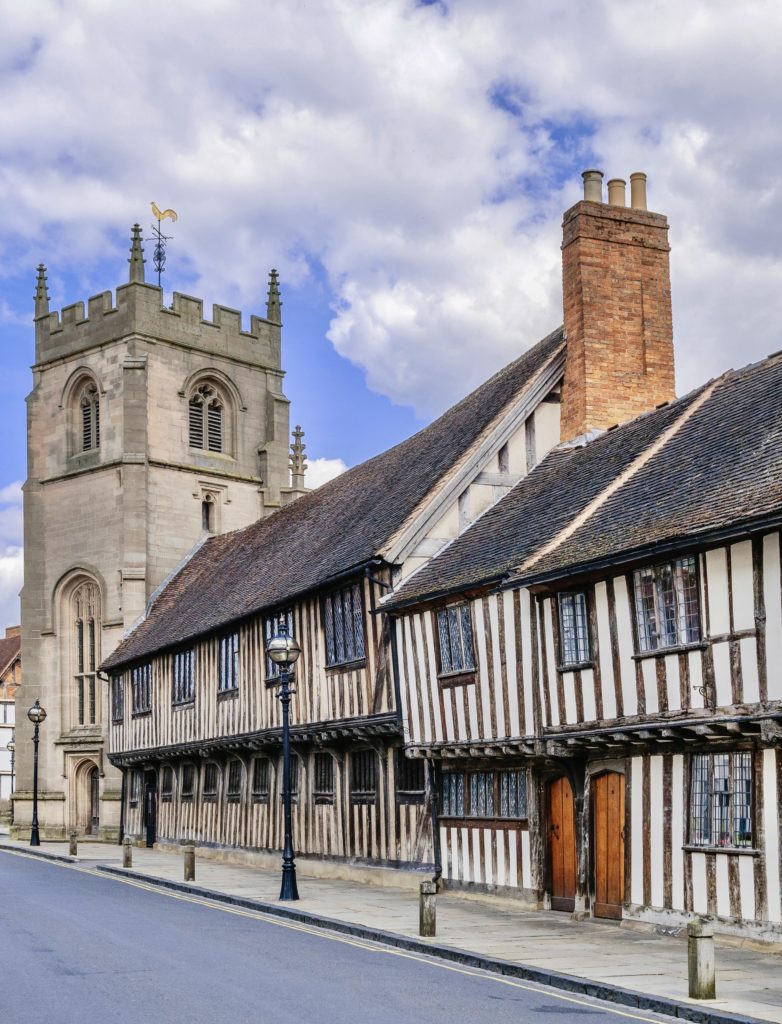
point(148, 428)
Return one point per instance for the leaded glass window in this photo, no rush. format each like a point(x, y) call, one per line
point(117, 698)
point(86, 612)
point(452, 795)
point(513, 794)
point(721, 799)
point(482, 794)
point(261, 780)
point(183, 677)
point(454, 632)
point(228, 662)
point(343, 616)
point(666, 604)
point(234, 788)
point(323, 783)
point(573, 628)
point(141, 688)
point(363, 776)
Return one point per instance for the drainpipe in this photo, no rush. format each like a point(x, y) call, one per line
point(438, 860)
point(122, 808)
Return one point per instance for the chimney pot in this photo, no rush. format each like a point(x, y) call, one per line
point(638, 190)
point(593, 186)
point(616, 192)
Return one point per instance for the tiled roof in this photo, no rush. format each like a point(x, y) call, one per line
point(536, 509)
point(722, 470)
point(10, 646)
point(323, 535)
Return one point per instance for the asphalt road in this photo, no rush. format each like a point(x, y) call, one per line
point(77, 946)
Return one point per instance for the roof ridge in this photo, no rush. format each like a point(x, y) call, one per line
point(622, 478)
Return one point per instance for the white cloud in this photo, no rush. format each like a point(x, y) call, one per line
point(361, 134)
point(11, 563)
point(320, 471)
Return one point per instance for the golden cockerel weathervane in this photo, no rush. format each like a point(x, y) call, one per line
point(159, 254)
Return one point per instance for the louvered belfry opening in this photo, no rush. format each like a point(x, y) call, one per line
point(206, 420)
point(90, 418)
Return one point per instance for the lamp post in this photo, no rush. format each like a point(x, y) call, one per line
point(36, 714)
point(11, 749)
point(284, 651)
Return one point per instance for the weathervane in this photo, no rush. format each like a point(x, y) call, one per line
point(159, 254)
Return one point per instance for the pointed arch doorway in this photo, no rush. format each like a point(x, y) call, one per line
point(86, 789)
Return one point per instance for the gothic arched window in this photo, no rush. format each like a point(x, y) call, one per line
point(206, 420)
point(89, 417)
point(85, 609)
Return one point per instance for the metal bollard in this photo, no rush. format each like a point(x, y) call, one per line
point(127, 852)
point(190, 863)
point(427, 909)
point(73, 844)
point(700, 959)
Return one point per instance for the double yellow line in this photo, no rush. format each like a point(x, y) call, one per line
point(258, 915)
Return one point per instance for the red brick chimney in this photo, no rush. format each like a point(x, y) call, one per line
point(616, 288)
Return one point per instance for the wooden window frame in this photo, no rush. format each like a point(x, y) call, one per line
point(323, 794)
point(187, 796)
point(183, 663)
point(638, 634)
point(211, 796)
point(458, 677)
point(496, 820)
point(233, 793)
point(363, 796)
point(166, 792)
point(692, 845)
point(141, 687)
point(260, 795)
point(232, 687)
point(562, 664)
point(117, 699)
point(406, 794)
point(328, 611)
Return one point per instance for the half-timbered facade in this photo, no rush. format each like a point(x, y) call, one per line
point(195, 720)
point(618, 626)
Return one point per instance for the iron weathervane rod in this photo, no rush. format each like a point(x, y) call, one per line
point(159, 252)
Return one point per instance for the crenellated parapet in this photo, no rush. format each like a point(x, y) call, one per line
point(138, 310)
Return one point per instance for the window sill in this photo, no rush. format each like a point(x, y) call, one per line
point(324, 799)
point(231, 694)
point(361, 798)
point(345, 666)
point(465, 678)
point(186, 798)
point(233, 799)
point(178, 705)
point(166, 799)
point(741, 851)
point(577, 666)
point(452, 821)
point(662, 652)
point(210, 798)
point(141, 714)
point(412, 797)
point(260, 798)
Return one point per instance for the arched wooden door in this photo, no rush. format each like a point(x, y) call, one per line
point(561, 820)
point(608, 830)
point(94, 824)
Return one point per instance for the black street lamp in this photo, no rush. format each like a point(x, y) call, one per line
point(11, 748)
point(284, 651)
point(36, 714)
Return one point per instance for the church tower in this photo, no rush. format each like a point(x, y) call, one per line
point(148, 428)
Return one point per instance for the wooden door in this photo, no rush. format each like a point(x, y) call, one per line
point(94, 802)
point(561, 844)
point(608, 830)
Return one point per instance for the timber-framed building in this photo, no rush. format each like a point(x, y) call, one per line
point(542, 639)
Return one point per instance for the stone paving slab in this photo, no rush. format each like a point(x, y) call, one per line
point(749, 981)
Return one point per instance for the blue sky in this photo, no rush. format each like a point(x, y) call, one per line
point(405, 165)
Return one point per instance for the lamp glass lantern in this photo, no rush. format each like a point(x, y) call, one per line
point(36, 714)
point(283, 649)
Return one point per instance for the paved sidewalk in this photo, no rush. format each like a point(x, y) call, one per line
point(749, 980)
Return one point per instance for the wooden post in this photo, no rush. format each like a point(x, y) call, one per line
point(427, 909)
point(73, 843)
point(189, 863)
point(700, 959)
point(127, 852)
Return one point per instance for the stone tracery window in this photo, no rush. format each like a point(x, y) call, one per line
point(85, 605)
point(206, 419)
point(85, 417)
